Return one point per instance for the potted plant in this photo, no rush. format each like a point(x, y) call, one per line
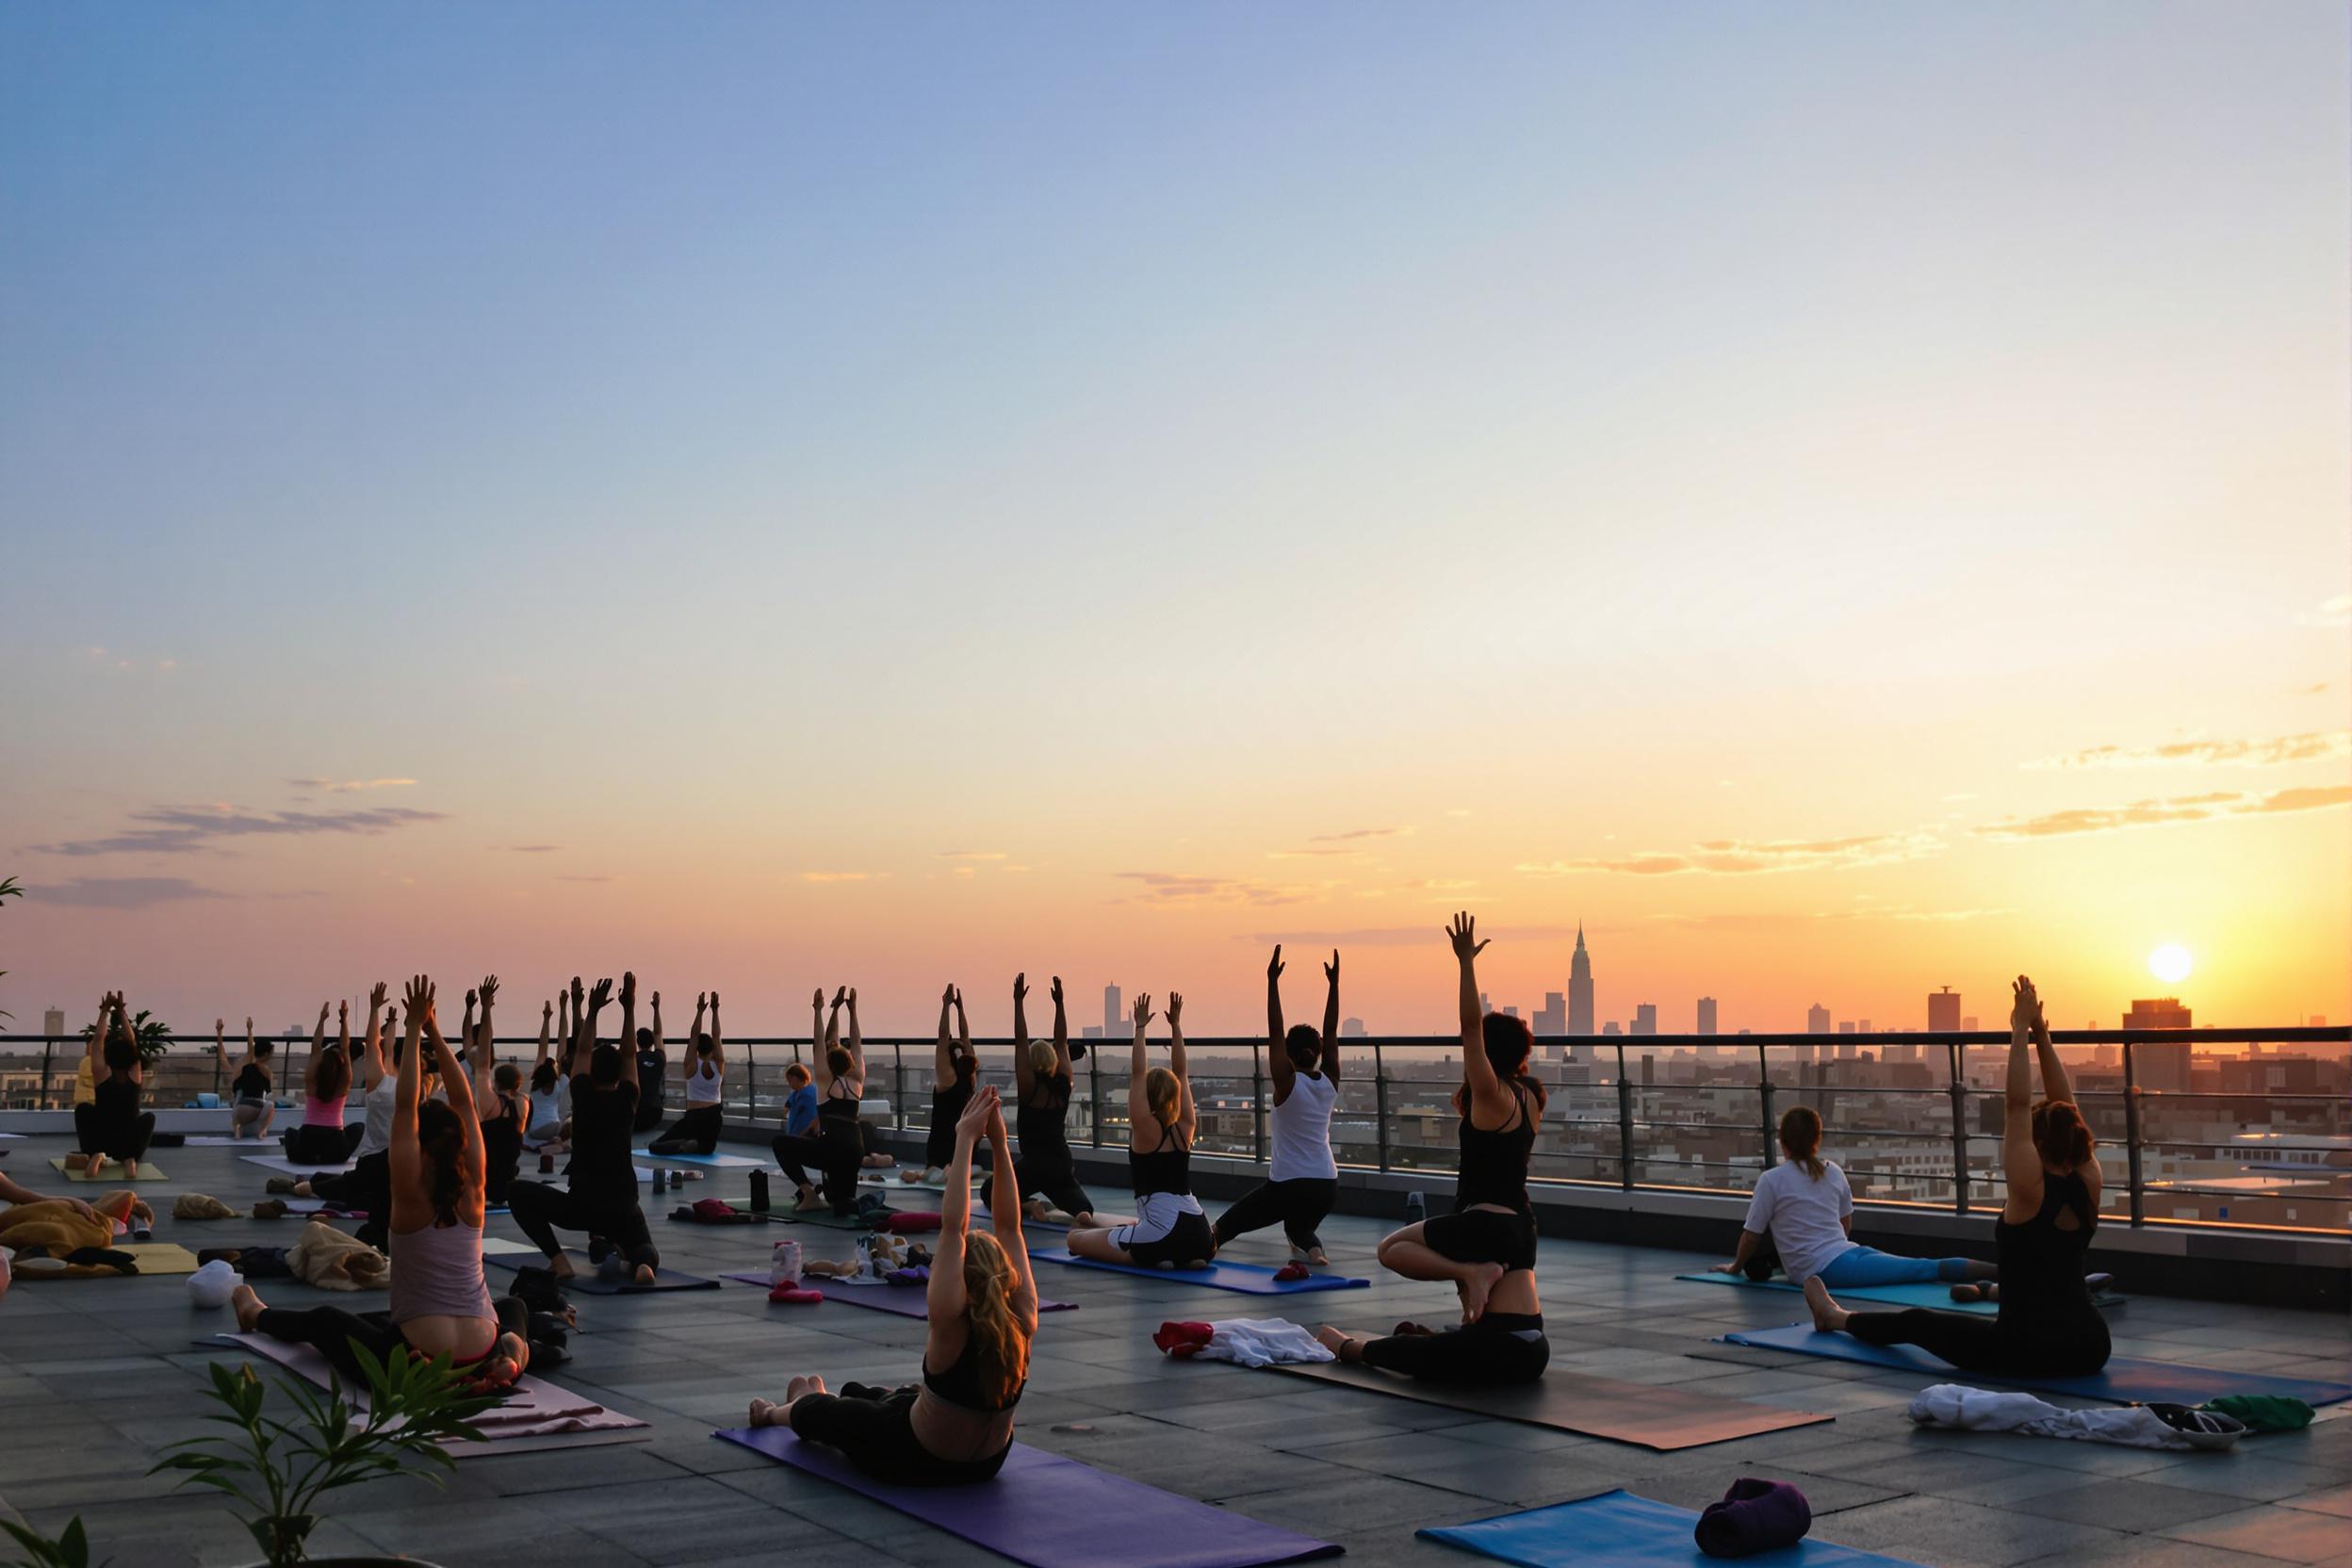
point(280, 1469)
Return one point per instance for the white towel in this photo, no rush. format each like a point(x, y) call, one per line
point(1978, 1410)
point(1261, 1342)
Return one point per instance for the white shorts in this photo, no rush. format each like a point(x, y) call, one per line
point(1157, 1213)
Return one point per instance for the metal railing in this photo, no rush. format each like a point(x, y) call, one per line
point(1915, 1118)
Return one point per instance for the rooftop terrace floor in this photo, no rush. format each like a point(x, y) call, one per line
point(96, 1377)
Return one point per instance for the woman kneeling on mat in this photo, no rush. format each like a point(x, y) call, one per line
point(320, 1139)
point(1169, 1232)
point(440, 1304)
point(1805, 1210)
point(1042, 1081)
point(957, 1425)
point(1486, 1248)
point(1303, 1177)
point(2047, 1324)
point(252, 1108)
point(697, 1130)
point(954, 1070)
point(111, 1126)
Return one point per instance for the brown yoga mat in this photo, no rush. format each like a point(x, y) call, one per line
point(1644, 1415)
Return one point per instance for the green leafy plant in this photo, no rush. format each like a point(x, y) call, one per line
point(70, 1550)
point(279, 1469)
point(153, 1035)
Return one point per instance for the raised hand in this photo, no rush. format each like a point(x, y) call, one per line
point(547, 1010)
point(629, 988)
point(1175, 1009)
point(471, 996)
point(1274, 966)
point(417, 1000)
point(1143, 1011)
point(377, 997)
point(579, 991)
point(947, 997)
point(1057, 990)
point(977, 1111)
point(601, 995)
point(249, 1023)
point(853, 998)
point(1331, 971)
point(220, 1027)
point(322, 1009)
point(838, 997)
point(489, 989)
point(1020, 988)
point(2025, 1010)
point(1463, 933)
point(714, 1001)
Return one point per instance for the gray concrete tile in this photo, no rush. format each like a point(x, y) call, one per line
point(2297, 1536)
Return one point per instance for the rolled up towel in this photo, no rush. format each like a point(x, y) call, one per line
point(1754, 1516)
point(213, 1284)
point(199, 1205)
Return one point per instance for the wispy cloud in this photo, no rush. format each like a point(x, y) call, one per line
point(1360, 833)
point(1782, 920)
point(1746, 856)
point(836, 877)
point(2314, 689)
point(562, 878)
point(122, 892)
point(1432, 936)
point(349, 786)
point(2168, 813)
point(2333, 611)
point(1161, 887)
point(183, 829)
point(2318, 745)
point(532, 849)
point(974, 855)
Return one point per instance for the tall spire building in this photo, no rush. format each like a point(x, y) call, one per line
point(1580, 988)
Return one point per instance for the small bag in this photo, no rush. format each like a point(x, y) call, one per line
point(784, 1263)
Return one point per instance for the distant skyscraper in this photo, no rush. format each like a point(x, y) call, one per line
point(53, 1022)
point(2161, 1065)
point(1706, 1015)
point(1863, 1028)
point(1114, 1013)
point(1511, 1011)
point(1580, 988)
point(1967, 1025)
point(2157, 1013)
point(1352, 1028)
point(1552, 1018)
point(1943, 1011)
point(1486, 1003)
point(1845, 1026)
point(1090, 1032)
point(1645, 1018)
point(1610, 1028)
point(1817, 1019)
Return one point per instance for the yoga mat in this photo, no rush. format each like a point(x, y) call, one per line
point(2126, 1379)
point(534, 1415)
point(1937, 1295)
point(500, 1246)
point(222, 1141)
point(71, 1167)
point(827, 1219)
point(905, 1300)
point(712, 1162)
point(284, 1167)
point(1054, 1513)
point(1249, 1279)
point(587, 1283)
point(1625, 1532)
point(1648, 1416)
point(162, 1258)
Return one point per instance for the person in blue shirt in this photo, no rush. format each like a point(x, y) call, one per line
point(800, 1106)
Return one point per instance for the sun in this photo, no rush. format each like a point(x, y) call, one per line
point(2170, 963)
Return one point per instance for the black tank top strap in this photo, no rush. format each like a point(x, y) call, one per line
point(1165, 1169)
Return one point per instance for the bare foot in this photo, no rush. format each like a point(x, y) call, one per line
point(246, 1302)
point(764, 1413)
point(1337, 1343)
point(1475, 1289)
point(1317, 1258)
point(1976, 1292)
point(560, 1267)
point(89, 1167)
point(645, 1274)
point(1828, 1317)
point(130, 1170)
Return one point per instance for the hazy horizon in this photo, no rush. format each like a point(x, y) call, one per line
point(1842, 502)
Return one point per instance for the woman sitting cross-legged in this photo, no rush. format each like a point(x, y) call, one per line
point(440, 1304)
point(957, 1425)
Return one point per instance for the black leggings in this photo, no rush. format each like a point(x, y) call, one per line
point(329, 1330)
point(1300, 1204)
point(115, 1139)
point(1978, 1344)
point(1500, 1348)
point(695, 1132)
point(308, 1145)
point(1482, 1236)
point(542, 1209)
point(836, 1159)
point(366, 1187)
point(875, 1428)
point(1056, 1179)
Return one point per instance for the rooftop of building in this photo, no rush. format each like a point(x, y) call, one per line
point(97, 1377)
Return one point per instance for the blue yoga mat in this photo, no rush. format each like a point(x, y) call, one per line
point(713, 1162)
point(2127, 1380)
point(1249, 1279)
point(1054, 1512)
point(1624, 1531)
point(587, 1283)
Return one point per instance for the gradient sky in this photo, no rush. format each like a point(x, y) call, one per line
point(1840, 500)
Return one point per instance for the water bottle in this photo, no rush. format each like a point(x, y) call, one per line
point(1416, 1208)
point(758, 1192)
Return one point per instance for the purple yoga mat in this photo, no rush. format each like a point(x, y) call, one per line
point(905, 1300)
point(1053, 1513)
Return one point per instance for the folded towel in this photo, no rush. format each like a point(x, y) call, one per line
point(1262, 1341)
point(1756, 1515)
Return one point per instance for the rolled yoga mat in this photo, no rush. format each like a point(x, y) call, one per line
point(2125, 1381)
point(1249, 1279)
point(1624, 1531)
point(71, 1169)
point(587, 1283)
point(1937, 1295)
point(1054, 1513)
point(902, 1301)
point(1648, 1416)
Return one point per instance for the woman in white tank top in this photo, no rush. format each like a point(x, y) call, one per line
point(697, 1130)
point(1303, 1178)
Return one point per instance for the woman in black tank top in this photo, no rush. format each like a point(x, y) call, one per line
point(1486, 1248)
point(1042, 1082)
point(833, 1145)
point(2048, 1325)
point(251, 1104)
point(1169, 1232)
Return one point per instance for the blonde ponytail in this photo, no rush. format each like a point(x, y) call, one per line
point(1001, 1365)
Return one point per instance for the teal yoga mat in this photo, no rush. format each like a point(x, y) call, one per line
point(1937, 1295)
point(2124, 1381)
point(709, 1161)
point(1625, 1532)
point(1247, 1278)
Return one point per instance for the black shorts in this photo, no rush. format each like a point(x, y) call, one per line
point(1482, 1236)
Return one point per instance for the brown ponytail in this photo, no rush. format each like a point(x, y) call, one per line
point(2059, 1134)
point(1801, 1137)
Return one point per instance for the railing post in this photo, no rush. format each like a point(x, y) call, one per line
point(1380, 1105)
point(1764, 1096)
point(2136, 1188)
point(1094, 1092)
point(46, 1047)
point(751, 1083)
point(1257, 1104)
point(898, 1086)
point(1953, 1053)
point(1625, 1123)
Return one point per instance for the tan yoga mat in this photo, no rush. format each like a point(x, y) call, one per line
point(164, 1258)
point(1647, 1415)
point(71, 1167)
